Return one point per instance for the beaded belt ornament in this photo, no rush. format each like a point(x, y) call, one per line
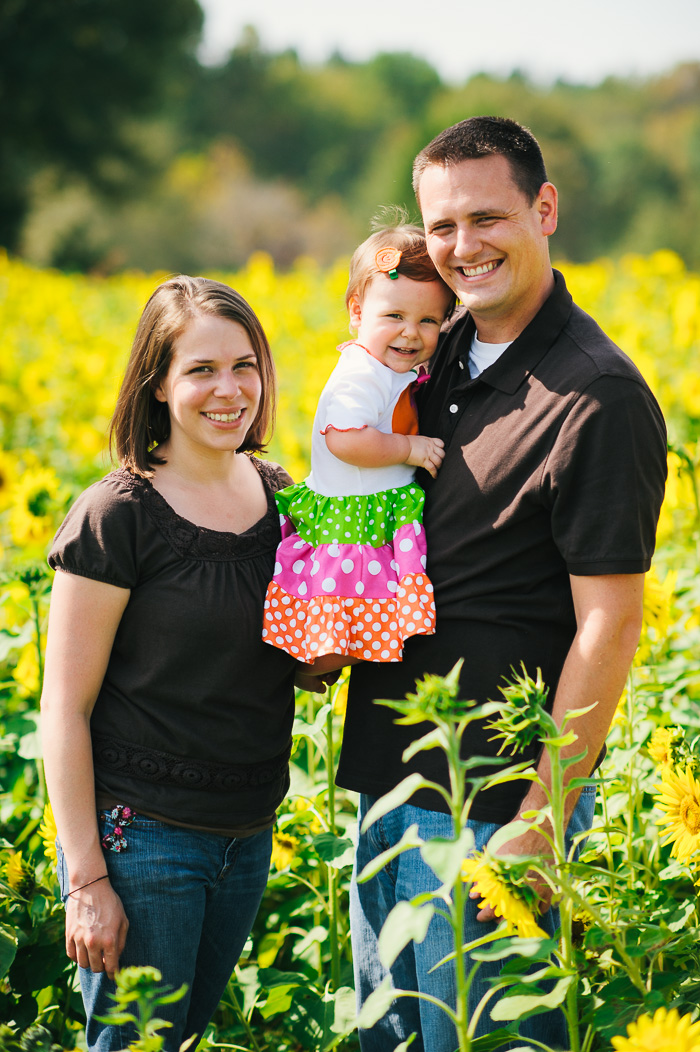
point(122, 816)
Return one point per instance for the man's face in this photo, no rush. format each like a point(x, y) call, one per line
point(488, 242)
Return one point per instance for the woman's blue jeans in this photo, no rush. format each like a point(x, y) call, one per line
point(191, 899)
point(402, 879)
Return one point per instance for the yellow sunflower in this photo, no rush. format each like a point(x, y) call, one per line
point(505, 899)
point(284, 848)
point(658, 612)
point(680, 800)
point(661, 745)
point(19, 874)
point(8, 476)
point(663, 1032)
point(48, 834)
point(36, 499)
point(658, 601)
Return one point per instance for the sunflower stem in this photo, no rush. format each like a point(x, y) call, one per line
point(458, 896)
point(332, 873)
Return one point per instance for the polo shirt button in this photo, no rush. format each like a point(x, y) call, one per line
point(454, 408)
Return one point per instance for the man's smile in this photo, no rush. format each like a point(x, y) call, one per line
point(480, 268)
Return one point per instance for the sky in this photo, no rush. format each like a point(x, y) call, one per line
point(582, 42)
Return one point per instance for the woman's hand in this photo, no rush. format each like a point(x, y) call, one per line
point(425, 453)
point(96, 928)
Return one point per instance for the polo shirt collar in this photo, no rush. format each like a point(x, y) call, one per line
point(527, 350)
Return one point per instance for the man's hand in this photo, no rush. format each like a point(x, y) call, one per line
point(425, 453)
point(530, 843)
point(608, 619)
point(96, 928)
point(321, 673)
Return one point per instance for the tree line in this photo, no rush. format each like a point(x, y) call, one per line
point(119, 148)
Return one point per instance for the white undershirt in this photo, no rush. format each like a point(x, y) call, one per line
point(482, 355)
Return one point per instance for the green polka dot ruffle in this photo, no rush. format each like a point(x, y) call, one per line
point(371, 520)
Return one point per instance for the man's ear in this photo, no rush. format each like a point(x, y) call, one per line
point(355, 312)
point(546, 204)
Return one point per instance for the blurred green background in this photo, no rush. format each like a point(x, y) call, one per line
point(119, 148)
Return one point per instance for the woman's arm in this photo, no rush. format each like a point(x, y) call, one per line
point(369, 448)
point(83, 620)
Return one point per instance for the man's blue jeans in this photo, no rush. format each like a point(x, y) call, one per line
point(191, 899)
point(403, 878)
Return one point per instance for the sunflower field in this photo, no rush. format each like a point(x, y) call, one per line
point(630, 963)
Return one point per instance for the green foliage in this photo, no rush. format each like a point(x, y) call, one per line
point(138, 995)
point(112, 126)
point(72, 75)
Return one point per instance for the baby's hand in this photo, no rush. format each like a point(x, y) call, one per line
point(425, 453)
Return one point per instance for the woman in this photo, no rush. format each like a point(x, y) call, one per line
point(166, 720)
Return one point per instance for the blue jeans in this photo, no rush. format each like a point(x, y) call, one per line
point(191, 899)
point(402, 879)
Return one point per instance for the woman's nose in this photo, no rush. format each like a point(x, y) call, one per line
point(227, 384)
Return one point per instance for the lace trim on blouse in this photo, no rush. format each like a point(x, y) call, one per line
point(199, 542)
point(152, 765)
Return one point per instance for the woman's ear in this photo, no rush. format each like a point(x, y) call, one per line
point(158, 392)
point(355, 312)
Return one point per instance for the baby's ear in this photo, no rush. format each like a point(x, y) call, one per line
point(355, 312)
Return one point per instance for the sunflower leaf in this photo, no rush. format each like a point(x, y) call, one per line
point(405, 923)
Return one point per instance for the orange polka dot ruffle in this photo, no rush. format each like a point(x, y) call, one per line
point(368, 629)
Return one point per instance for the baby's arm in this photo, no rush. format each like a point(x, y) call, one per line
point(369, 448)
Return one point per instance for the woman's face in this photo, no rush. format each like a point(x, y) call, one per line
point(213, 386)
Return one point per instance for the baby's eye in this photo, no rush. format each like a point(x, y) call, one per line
point(429, 321)
point(395, 314)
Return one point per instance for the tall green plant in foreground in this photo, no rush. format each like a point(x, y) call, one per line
point(596, 944)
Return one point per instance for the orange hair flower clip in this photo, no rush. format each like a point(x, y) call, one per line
point(387, 260)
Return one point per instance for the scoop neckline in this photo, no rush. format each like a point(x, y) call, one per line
point(269, 497)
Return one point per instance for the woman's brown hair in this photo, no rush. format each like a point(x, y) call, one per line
point(141, 423)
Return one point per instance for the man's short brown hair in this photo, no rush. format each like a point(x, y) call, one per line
point(486, 137)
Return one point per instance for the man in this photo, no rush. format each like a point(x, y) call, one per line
point(540, 527)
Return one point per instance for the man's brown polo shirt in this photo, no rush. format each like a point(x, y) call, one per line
point(555, 464)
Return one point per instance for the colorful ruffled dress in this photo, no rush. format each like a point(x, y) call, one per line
point(350, 570)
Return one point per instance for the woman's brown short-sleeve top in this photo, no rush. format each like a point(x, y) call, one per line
point(193, 720)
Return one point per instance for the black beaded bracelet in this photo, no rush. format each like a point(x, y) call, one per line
point(103, 877)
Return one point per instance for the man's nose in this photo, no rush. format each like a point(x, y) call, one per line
point(467, 242)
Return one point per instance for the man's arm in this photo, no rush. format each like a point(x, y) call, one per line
point(609, 620)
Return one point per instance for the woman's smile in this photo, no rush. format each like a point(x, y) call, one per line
point(213, 386)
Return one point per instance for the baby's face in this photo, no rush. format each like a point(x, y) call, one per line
point(398, 320)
